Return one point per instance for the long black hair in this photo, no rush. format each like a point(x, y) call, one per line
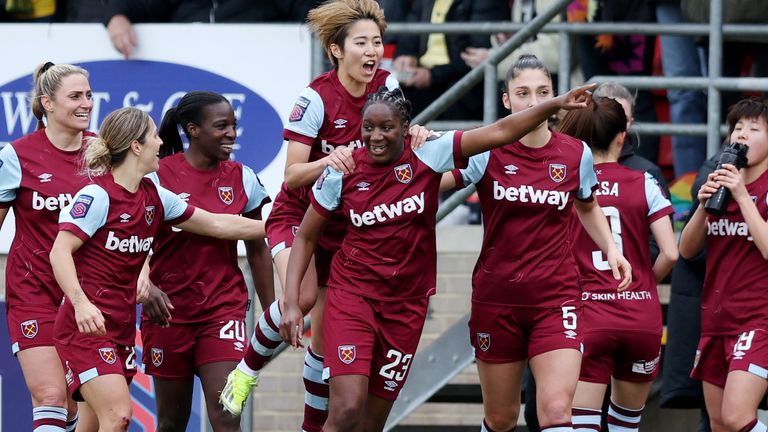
point(188, 110)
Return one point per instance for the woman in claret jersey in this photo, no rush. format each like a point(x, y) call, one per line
point(384, 274)
point(525, 287)
point(732, 357)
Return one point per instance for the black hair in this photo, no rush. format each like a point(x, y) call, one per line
point(525, 61)
point(750, 108)
point(188, 110)
point(394, 98)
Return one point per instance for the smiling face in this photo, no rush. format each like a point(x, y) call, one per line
point(215, 136)
point(362, 50)
point(383, 133)
point(70, 107)
point(149, 155)
point(754, 133)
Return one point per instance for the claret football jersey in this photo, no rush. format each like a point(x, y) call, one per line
point(526, 197)
point(736, 282)
point(200, 274)
point(631, 200)
point(37, 179)
point(117, 228)
point(389, 252)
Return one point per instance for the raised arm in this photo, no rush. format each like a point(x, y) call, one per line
point(300, 172)
point(514, 126)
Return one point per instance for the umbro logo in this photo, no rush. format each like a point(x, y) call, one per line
point(125, 217)
point(184, 196)
point(362, 186)
point(45, 177)
point(340, 123)
point(510, 169)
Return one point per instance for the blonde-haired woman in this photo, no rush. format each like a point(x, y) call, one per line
point(105, 234)
point(38, 175)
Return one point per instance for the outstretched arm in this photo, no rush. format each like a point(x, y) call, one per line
point(514, 126)
point(223, 226)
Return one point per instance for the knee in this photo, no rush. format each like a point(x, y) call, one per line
point(116, 419)
point(172, 424)
point(733, 421)
point(554, 410)
point(345, 415)
point(502, 421)
point(221, 421)
point(50, 396)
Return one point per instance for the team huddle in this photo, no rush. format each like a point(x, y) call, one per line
point(131, 216)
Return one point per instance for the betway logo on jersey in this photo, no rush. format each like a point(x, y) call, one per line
point(328, 148)
point(385, 212)
point(133, 244)
point(724, 227)
point(53, 203)
point(525, 193)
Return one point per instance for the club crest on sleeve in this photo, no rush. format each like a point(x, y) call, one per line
point(347, 353)
point(297, 113)
point(484, 341)
point(29, 329)
point(404, 173)
point(108, 355)
point(557, 172)
point(226, 194)
point(149, 214)
point(157, 356)
point(80, 206)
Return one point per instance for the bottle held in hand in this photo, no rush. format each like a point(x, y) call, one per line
point(736, 155)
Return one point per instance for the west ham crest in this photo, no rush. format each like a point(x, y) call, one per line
point(29, 329)
point(108, 355)
point(149, 214)
point(557, 172)
point(347, 353)
point(484, 341)
point(404, 173)
point(157, 356)
point(226, 194)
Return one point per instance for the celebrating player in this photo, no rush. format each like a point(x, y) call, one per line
point(39, 173)
point(105, 234)
point(382, 277)
point(732, 357)
point(621, 331)
point(193, 321)
point(525, 290)
point(322, 130)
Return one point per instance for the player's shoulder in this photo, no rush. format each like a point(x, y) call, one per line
point(566, 140)
point(29, 143)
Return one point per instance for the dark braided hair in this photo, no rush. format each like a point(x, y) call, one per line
point(188, 110)
point(394, 98)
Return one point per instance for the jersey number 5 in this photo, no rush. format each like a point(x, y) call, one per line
point(614, 220)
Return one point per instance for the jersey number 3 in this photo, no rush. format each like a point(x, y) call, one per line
point(614, 220)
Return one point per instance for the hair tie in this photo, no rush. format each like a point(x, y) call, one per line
point(47, 66)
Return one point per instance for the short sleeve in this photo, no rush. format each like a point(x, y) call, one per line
point(257, 194)
point(587, 178)
point(86, 213)
point(391, 82)
point(174, 208)
point(327, 191)
point(442, 153)
point(658, 205)
point(10, 175)
point(154, 177)
point(306, 117)
point(476, 168)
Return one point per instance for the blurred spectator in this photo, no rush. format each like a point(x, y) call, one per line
point(84, 11)
point(427, 65)
point(738, 51)
point(121, 14)
point(607, 54)
point(31, 11)
point(542, 45)
point(680, 58)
